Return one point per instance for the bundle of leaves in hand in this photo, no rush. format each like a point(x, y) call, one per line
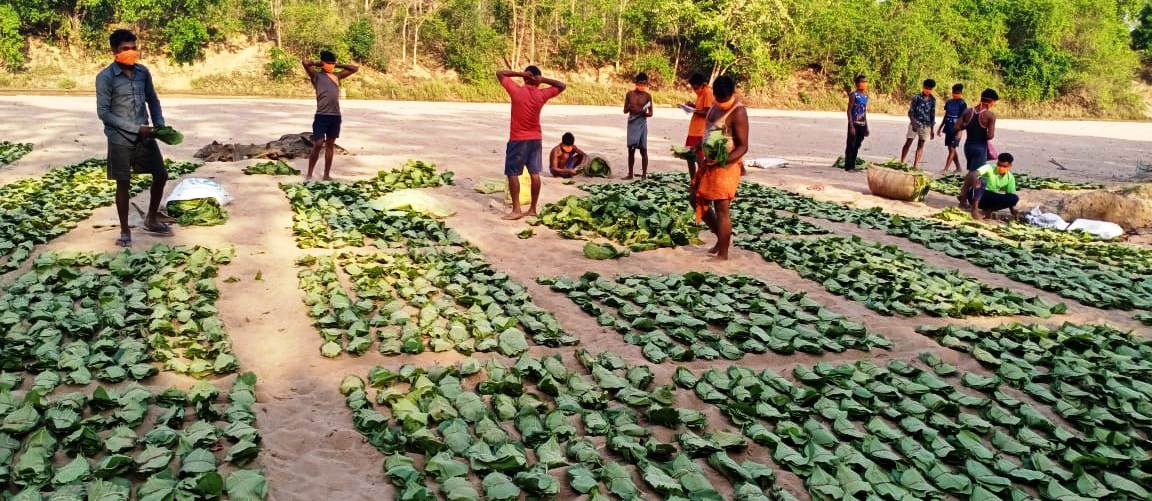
point(716, 147)
point(422, 300)
point(196, 446)
point(683, 153)
point(197, 212)
point(839, 163)
point(11, 152)
point(682, 318)
point(118, 313)
point(599, 252)
point(460, 420)
point(913, 431)
point(35, 210)
point(273, 168)
point(333, 215)
point(168, 135)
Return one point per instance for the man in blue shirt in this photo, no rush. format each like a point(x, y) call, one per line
point(922, 117)
point(125, 99)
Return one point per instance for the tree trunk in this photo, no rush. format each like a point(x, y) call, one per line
point(515, 35)
point(620, 33)
point(277, 12)
point(404, 38)
point(532, 36)
point(416, 41)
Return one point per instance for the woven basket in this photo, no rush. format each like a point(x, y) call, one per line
point(896, 184)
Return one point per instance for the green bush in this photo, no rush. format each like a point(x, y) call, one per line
point(657, 66)
point(11, 42)
point(361, 39)
point(280, 64)
point(1142, 34)
point(308, 28)
point(186, 38)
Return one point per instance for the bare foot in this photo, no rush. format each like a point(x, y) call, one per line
point(714, 249)
point(719, 257)
point(307, 178)
point(326, 178)
point(513, 216)
point(627, 178)
point(531, 213)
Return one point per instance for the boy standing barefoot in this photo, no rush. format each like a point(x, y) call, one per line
point(638, 107)
point(326, 124)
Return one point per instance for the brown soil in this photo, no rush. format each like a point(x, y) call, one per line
point(311, 450)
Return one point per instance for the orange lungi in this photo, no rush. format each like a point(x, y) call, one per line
point(715, 183)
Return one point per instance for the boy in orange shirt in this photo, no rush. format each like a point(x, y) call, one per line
point(696, 127)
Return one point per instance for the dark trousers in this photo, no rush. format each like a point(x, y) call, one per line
point(853, 149)
point(976, 154)
point(993, 202)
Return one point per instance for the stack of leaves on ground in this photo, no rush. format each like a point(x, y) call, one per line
point(1053, 242)
point(858, 431)
point(75, 318)
point(435, 300)
point(272, 168)
point(1074, 274)
point(480, 434)
point(11, 152)
point(33, 211)
point(706, 316)
point(950, 185)
point(128, 443)
point(644, 215)
point(891, 281)
point(335, 215)
point(1094, 376)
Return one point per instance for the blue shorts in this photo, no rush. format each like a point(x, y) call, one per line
point(325, 127)
point(520, 154)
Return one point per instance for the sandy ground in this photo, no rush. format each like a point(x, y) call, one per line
point(311, 450)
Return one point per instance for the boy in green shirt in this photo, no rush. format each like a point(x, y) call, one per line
point(992, 188)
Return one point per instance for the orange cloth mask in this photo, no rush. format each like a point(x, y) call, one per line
point(567, 149)
point(128, 57)
point(727, 105)
point(642, 87)
point(329, 67)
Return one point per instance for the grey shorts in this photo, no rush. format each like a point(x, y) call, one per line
point(141, 158)
point(921, 133)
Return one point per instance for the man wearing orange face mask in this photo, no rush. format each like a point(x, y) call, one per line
point(326, 123)
point(638, 107)
point(125, 100)
point(714, 186)
point(565, 159)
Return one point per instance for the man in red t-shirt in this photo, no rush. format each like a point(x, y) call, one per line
point(524, 142)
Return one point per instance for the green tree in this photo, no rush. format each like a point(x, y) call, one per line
point(186, 38)
point(1142, 34)
point(11, 41)
point(361, 39)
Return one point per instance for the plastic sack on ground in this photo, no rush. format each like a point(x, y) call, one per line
point(414, 200)
point(898, 185)
point(490, 185)
point(198, 201)
point(1045, 219)
point(525, 191)
point(1100, 229)
point(768, 163)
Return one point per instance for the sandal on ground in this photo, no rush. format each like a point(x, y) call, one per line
point(160, 229)
point(125, 240)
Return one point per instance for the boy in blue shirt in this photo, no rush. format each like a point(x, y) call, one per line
point(953, 108)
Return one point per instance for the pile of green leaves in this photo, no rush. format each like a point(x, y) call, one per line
point(598, 167)
point(1070, 271)
point(272, 168)
point(116, 444)
point(950, 185)
point(168, 135)
point(439, 301)
point(335, 215)
point(197, 212)
point(477, 429)
point(36, 210)
point(839, 163)
point(11, 152)
point(709, 317)
point(1094, 376)
point(896, 165)
point(600, 252)
point(643, 215)
point(911, 431)
point(75, 318)
point(889, 280)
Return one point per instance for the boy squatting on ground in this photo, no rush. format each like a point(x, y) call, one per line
point(953, 109)
point(565, 160)
point(524, 148)
point(992, 188)
point(125, 98)
point(326, 123)
point(638, 107)
point(922, 116)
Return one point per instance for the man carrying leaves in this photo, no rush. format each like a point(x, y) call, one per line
point(125, 99)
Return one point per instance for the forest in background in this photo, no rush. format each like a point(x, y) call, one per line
point(1081, 53)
